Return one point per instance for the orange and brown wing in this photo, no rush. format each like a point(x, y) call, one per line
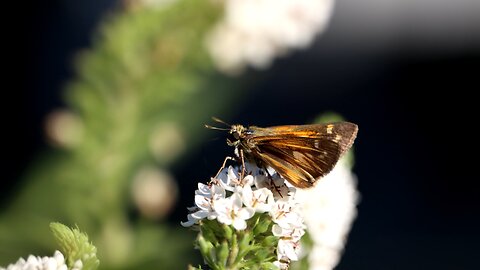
point(305, 153)
point(300, 160)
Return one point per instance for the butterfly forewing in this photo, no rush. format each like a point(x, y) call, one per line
point(301, 154)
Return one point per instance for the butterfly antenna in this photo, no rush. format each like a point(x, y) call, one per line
point(216, 128)
point(219, 121)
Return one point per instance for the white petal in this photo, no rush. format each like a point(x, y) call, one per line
point(59, 257)
point(232, 175)
point(202, 202)
point(189, 222)
point(50, 264)
point(224, 219)
point(239, 224)
point(248, 180)
point(236, 201)
point(247, 196)
point(199, 214)
point(245, 213)
point(203, 189)
point(287, 248)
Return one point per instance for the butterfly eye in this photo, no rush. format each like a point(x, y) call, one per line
point(233, 137)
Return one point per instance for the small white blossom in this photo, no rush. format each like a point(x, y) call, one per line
point(231, 212)
point(292, 233)
point(254, 32)
point(205, 198)
point(230, 179)
point(206, 201)
point(260, 200)
point(287, 248)
point(57, 262)
point(285, 215)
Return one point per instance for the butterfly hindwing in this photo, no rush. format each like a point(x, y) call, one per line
point(300, 160)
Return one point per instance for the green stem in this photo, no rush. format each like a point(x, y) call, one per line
point(233, 251)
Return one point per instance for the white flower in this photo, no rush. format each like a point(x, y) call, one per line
point(329, 209)
point(260, 200)
point(287, 248)
point(292, 233)
point(205, 198)
point(253, 32)
point(57, 262)
point(286, 215)
point(230, 211)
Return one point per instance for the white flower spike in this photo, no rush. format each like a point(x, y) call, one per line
point(263, 202)
point(254, 32)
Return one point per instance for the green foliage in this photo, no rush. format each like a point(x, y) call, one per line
point(147, 70)
point(224, 248)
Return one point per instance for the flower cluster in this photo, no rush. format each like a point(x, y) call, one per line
point(233, 200)
point(57, 262)
point(254, 32)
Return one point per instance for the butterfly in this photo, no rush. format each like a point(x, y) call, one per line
point(302, 154)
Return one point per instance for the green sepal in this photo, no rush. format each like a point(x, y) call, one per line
point(222, 251)
point(206, 248)
point(75, 246)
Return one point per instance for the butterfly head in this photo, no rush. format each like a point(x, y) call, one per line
point(236, 134)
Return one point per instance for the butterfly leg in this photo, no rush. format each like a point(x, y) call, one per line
point(242, 175)
point(223, 165)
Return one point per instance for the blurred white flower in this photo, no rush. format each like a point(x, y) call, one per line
point(329, 209)
point(167, 142)
point(64, 128)
point(56, 262)
point(254, 32)
point(154, 192)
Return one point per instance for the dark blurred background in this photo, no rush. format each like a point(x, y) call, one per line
point(406, 72)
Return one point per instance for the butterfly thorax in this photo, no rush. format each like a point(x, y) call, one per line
point(238, 138)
